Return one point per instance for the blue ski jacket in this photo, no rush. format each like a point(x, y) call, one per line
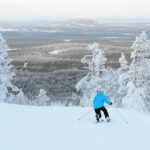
point(99, 100)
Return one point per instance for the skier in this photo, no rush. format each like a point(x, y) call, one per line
point(99, 106)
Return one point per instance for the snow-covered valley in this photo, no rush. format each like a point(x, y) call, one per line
point(58, 128)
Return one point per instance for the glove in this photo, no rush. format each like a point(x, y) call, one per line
point(110, 103)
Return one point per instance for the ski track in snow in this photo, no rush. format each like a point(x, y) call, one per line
point(58, 128)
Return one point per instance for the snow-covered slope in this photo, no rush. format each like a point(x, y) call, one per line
point(58, 128)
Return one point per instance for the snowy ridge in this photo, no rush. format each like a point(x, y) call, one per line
point(58, 128)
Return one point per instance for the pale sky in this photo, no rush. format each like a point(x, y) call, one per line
point(45, 9)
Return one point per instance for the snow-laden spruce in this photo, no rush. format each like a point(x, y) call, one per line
point(42, 98)
point(138, 76)
point(6, 74)
point(122, 79)
point(89, 84)
point(21, 98)
point(9, 92)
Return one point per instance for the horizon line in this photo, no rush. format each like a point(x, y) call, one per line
point(59, 19)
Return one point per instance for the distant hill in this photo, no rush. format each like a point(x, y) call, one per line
point(75, 23)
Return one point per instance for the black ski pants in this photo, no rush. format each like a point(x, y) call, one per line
point(98, 112)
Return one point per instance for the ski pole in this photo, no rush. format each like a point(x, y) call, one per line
point(85, 114)
point(121, 115)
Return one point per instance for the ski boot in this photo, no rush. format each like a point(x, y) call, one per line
point(108, 119)
point(97, 118)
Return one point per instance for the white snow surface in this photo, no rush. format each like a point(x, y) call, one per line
point(58, 128)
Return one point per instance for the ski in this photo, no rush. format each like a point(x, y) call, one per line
point(100, 121)
point(108, 120)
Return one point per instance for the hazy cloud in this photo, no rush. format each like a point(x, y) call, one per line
point(19, 9)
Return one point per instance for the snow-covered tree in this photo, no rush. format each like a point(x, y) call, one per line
point(98, 60)
point(93, 81)
point(123, 63)
point(21, 98)
point(123, 79)
point(110, 88)
point(115, 82)
point(134, 99)
point(6, 74)
point(138, 74)
point(42, 98)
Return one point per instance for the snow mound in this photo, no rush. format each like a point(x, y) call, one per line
point(58, 128)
